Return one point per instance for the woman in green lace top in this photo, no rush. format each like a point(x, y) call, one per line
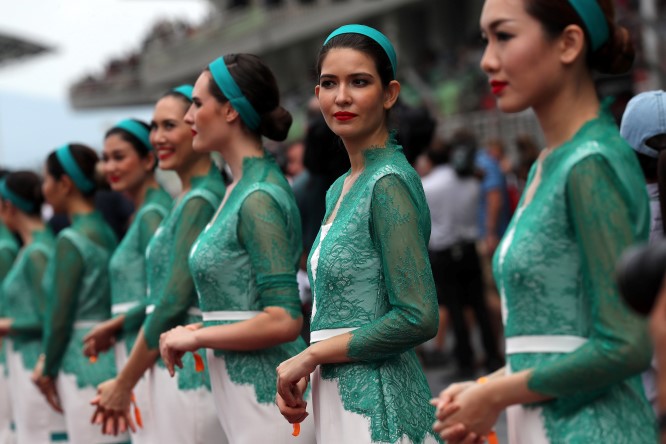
point(244, 264)
point(182, 410)
point(374, 295)
point(23, 302)
point(78, 298)
point(574, 350)
point(129, 161)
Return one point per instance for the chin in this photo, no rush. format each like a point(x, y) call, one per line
point(508, 106)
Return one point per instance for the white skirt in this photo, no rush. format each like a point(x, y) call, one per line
point(147, 433)
point(244, 419)
point(35, 421)
point(75, 402)
point(182, 416)
point(525, 425)
point(334, 424)
point(6, 433)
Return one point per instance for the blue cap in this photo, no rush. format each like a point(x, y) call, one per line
point(644, 118)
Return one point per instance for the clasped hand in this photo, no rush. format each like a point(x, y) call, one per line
point(175, 343)
point(464, 414)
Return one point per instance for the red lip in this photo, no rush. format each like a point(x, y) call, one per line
point(343, 115)
point(497, 87)
point(114, 179)
point(194, 133)
point(164, 153)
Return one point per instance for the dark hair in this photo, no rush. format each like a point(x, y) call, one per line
point(28, 186)
point(130, 138)
point(180, 96)
point(362, 43)
point(615, 56)
point(86, 158)
point(257, 83)
point(438, 153)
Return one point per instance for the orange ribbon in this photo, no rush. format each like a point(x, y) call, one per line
point(198, 362)
point(297, 429)
point(93, 359)
point(137, 412)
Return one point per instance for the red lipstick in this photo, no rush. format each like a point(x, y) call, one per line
point(344, 115)
point(497, 87)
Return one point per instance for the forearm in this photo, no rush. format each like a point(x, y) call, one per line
point(330, 351)
point(272, 327)
point(512, 389)
point(25, 327)
point(493, 208)
point(141, 359)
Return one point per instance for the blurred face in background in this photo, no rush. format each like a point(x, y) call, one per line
point(55, 192)
point(170, 135)
point(124, 169)
point(522, 63)
point(7, 214)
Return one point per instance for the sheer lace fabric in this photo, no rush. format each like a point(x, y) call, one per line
point(555, 271)
point(373, 273)
point(170, 285)
point(128, 263)
point(24, 298)
point(246, 260)
point(77, 287)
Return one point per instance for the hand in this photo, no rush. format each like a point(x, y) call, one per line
point(5, 326)
point(175, 343)
point(113, 403)
point(445, 403)
point(101, 338)
point(475, 416)
point(47, 386)
point(290, 373)
point(298, 412)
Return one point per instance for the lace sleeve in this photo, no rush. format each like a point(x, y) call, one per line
point(179, 293)
point(148, 225)
point(264, 232)
point(413, 316)
point(618, 345)
point(7, 256)
point(32, 326)
point(61, 303)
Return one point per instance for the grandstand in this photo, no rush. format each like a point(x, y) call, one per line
point(285, 33)
point(13, 49)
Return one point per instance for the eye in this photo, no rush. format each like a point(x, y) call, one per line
point(504, 36)
point(326, 83)
point(360, 82)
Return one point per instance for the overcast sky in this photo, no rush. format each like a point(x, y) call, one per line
point(85, 34)
point(34, 114)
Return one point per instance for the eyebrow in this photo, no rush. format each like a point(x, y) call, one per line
point(354, 74)
point(496, 23)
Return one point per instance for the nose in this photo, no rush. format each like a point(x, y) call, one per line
point(489, 61)
point(189, 115)
point(157, 136)
point(342, 96)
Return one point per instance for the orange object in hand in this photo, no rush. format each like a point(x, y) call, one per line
point(198, 362)
point(93, 359)
point(137, 412)
point(297, 429)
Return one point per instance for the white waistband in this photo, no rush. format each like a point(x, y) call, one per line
point(543, 344)
point(192, 311)
point(225, 315)
point(86, 324)
point(322, 335)
point(123, 307)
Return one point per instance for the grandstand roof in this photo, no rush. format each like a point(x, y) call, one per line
point(13, 48)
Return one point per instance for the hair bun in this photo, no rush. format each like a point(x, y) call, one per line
point(617, 55)
point(275, 124)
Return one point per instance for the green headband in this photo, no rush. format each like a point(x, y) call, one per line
point(372, 33)
point(233, 93)
point(594, 19)
point(185, 90)
point(18, 201)
point(72, 169)
point(137, 130)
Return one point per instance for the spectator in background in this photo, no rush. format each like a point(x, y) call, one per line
point(294, 166)
point(453, 194)
point(644, 128)
point(415, 128)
